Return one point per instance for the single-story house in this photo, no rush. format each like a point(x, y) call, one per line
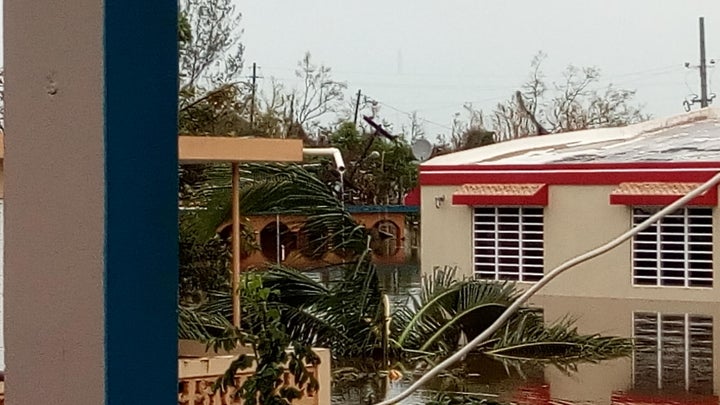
point(515, 210)
point(282, 238)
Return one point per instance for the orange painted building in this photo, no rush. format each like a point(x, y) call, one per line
point(282, 238)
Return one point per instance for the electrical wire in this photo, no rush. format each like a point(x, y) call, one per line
point(544, 281)
point(410, 115)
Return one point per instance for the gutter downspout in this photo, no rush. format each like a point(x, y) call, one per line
point(713, 182)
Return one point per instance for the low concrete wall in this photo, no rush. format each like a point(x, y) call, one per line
point(197, 374)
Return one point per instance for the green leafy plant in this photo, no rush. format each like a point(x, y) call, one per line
point(270, 384)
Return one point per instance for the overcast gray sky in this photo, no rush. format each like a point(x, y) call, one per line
point(432, 56)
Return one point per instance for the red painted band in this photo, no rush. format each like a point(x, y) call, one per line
point(574, 166)
point(578, 177)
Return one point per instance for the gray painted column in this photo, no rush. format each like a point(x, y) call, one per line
point(90, 202)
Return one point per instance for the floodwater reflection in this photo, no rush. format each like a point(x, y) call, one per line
point(673, 362)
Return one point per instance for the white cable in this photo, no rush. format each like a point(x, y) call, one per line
point(540, 284)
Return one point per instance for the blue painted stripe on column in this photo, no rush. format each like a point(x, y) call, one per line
point(141, 202)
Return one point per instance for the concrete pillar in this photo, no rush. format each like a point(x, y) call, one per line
point(90, 202)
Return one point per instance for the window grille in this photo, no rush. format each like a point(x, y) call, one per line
point(673, 352)
point(508, 243)
point(676, 251)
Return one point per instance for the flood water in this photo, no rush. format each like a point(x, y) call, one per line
point(673, 362)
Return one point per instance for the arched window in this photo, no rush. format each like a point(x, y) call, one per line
point(269, 237)
point(385, 238)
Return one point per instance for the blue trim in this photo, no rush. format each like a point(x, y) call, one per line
point(382, 208)
point(353, 209)
point(140, 39)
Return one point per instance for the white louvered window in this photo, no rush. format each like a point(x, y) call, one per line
point(673, 352)
point(676, 251)
point(508, 243)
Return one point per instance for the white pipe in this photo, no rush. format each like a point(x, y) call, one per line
point(334, 152)
point(540, 284)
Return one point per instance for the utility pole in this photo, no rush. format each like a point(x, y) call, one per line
point(703, 66)
point(291, 118)
point(704, 98)
point(252, 100)
point(357, 106)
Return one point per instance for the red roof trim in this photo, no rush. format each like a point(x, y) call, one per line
point(567, 177)
point(574, 166)
point(539, 198)
point(412, 198)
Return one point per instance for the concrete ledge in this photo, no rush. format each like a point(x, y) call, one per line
point(203, 149)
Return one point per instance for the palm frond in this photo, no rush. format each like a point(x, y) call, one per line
point(197, 323)
point(447, 308)
point(527, 337)
point(289, 190)
point(296, 289)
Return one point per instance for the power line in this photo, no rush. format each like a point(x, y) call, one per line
point(466, 76)
point(410, 115)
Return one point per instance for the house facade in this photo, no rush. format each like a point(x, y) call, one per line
point(282, 238)
point(516, 210)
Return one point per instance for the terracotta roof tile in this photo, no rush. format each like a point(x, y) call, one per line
point(657, 188)
point(499, 189)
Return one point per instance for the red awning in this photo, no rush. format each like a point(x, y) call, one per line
point(501, 194)
point(659, 193)
point(412, 198)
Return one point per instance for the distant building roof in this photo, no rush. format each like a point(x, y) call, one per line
point(693, 136)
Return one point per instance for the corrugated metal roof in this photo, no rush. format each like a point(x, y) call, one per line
point(499, 189)
point(689, 137)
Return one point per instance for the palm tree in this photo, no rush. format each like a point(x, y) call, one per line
point(206, 208)
point(271, 188)
point(448, 312)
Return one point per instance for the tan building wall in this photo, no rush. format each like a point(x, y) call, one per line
point(577, 219)
point(54, 299)
point(446, 234)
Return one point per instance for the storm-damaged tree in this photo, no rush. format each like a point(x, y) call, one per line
point(577, 102)
point(212, 97)
point(318, 95)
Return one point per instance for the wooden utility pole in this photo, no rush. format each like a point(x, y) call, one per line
point(252, 100)
point(357, 106)
point(236, 247)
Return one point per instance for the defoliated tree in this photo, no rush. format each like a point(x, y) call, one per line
point(319, 94)
point(212, 98)
point(576, 102)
